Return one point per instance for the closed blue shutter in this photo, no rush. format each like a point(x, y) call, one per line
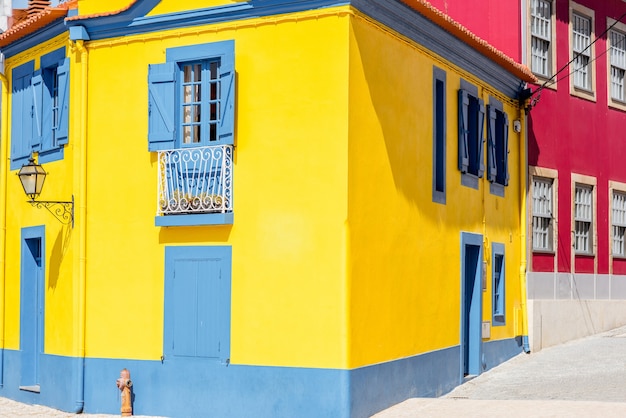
point(36, 84)
point(63, 78)
point(227, 99)
point(21, 115)
point(492, 167)
point(161, 106)
point(505, 151)
point(463, 131)
point(480, 138)
point(197, 302)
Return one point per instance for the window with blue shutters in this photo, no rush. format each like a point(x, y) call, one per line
point(498, 275)
point(191, 97)
point(439, 135)
point(497, 147)
point(471, 122)
point(40, 109)
point(191, 109)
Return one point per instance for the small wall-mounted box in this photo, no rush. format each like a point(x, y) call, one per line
point(486, 329)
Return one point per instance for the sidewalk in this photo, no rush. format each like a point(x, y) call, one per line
point(583, 378)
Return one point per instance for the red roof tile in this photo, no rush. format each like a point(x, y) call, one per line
point(35, 22)
point(461, 32)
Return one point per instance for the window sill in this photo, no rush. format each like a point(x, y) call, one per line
point(498, 320)
point(496, 189)
point(195, 219)
point(545, 252)
point(469, 180)
point(585, 255)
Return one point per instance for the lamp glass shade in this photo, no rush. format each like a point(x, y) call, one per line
point(32, 177)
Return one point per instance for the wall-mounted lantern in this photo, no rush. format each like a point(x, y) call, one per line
point(32, 177)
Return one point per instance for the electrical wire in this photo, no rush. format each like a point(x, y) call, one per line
point(551, 81)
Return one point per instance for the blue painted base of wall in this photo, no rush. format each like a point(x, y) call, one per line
point(194, 387)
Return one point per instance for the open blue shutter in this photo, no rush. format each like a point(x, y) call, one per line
point(463, 131)
point(505, 151)
point(161, 106)
point(21, 115)
point(492, 166)
point(227, 99)
point(36, 84)
point(63, 79)
point(480, 137)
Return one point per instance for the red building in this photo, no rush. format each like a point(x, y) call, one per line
point(576, 116)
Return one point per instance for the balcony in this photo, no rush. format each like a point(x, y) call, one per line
point(195, 181)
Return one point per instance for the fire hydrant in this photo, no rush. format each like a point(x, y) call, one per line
point(124, 384)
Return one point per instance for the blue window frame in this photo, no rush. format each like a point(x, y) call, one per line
point(197, 303)
point(471, 134)
point(497, 147)
point(192, 97)
point(40, 109)
point(498, 276)
point(439, 135)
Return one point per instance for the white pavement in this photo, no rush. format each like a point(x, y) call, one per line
point(583, 378)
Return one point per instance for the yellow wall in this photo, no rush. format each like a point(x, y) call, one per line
point(165, 6)
point(340, 258)
point(86, 7)
point(288, 238)
point(172, 6)
point(60, 240)
point(404, 249)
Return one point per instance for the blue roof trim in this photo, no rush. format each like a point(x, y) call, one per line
point(54, 29)
point(132, 22)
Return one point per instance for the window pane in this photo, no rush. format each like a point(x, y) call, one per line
point(542, 214)
point(581, 40)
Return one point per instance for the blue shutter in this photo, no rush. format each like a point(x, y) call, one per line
point(505, 151)
point(492, 166)
point(463, 131)
point(36, 84)
point(480, 137)
point(161, 106)
point(21, 114)
point(197, 302)
point(63, 79)
point(227, 99)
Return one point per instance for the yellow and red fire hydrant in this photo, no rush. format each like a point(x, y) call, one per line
point(124, 384)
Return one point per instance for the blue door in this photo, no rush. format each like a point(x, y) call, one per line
point(471, 303)
point(31, 306)
point(197, 303)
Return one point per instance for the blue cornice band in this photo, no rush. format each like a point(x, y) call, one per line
point(392, 13)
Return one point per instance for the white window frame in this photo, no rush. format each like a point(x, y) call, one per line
point(578, 43)
point(616, 63)
point(539, 34)
point(616, 221)
point(548, 175)
point(582, 214)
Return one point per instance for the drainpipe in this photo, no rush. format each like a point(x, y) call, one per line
point(4, 155)
point(523, 259)
point(79, 35)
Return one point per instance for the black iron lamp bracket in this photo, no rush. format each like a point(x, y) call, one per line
point(63, 211)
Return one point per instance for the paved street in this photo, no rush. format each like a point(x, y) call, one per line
point(583, 378)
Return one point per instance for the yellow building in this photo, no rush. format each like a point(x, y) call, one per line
point(271, 208)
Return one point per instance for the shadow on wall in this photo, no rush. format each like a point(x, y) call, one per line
point(57, 254)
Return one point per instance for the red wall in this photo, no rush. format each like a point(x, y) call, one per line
point(496, 21)
point(571, 134)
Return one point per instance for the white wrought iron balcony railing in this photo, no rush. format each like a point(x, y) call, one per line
point(195, 180)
